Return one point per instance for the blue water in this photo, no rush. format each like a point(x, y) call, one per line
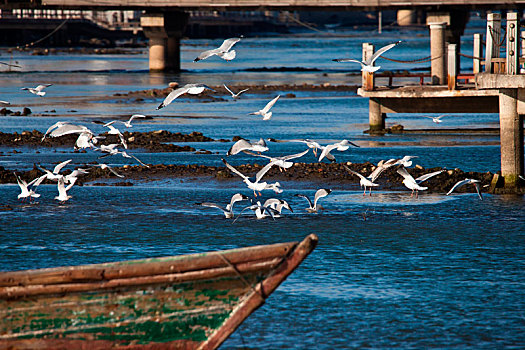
point(436, 272)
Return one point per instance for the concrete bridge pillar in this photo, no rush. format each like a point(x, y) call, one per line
point(164, 31)
point(437, 53)
point(376, 117)
point(511, 137)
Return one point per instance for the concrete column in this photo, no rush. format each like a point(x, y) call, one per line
point(451, 69)
point(367, 78)
point(164, 31)
point(437, 53)
point(375, 116)
point(405, 17)
point(477, 52)
point(511, 137)
point(512, 64)
point(492, 39)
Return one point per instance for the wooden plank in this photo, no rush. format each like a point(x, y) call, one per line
point(136, 268)
point(487, 104)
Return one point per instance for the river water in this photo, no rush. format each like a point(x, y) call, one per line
point(390, 271)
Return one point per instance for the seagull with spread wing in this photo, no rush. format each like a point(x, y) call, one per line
point(228, 210)
point(235, 95)
point(255, 184)
point(340, 146)
point(265, 112)
point(38, 90)
point(322, 192)
point(368, 65)
point(363, 182)
point(243, 145)
point(282, 162)
point(466, 182)
point(192, 89)
point(224, 51)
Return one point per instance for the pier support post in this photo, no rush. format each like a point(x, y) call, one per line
point(367, 78)
point(452, 74)
point(437, 53)
point(376, 117)
point(406, 17)
point(511, 137)
point(512, 63)
point(493, 40)
point(477, 52)
point(164, 31)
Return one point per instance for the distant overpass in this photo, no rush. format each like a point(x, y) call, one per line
point(258, 5)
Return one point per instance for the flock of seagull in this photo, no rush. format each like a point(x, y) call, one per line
point(272, 207)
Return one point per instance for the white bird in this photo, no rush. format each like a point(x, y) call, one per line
point(437, 119)
point(25, 192)
point(62, 191)
point(425, 177)
point(54, 176)
point(255, 185)
point(340, 146)
point(134, 116)
point(405, 161)
point(310, 143)
point(381, 166)
point(277, 205)
point(66, 129)
point(363, 182)
point(115, 131)
point(228, 210)
point(259, 210)
point(319, 194)
point(368, 65)
point(192, 89)
point(282, 162)
point(410, 182)
point(265, 112)
point(235, 95)
point(465, 182)
point(222, 51)
point(37, 90)
point(5, 102)
point(105, 166)
point(87, 140)
point(245, 145)
point(73, 176)
point(112, 150)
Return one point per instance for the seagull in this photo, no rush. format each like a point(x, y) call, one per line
point(38, 90)
point(245, 145)
point(62, 191)
point(105, 166)
point(319, 194)
point(340, 146)
point(381, 166)
point(437, 119)
point(413, 184)
point(465, 182)
point(223, 51)
point(66, 129)
point(112, 150)
point(310, 143)
point(228, 210)
point(115, 131)
point(265, 112)
point(192, 89)
point(277, 205)
point(405, 161)
point(255, 185)
point(54, 176)
point(282, 162)
point(235, 95)
point(24, 187)
point(5, 102)
point(364, 182)
point(134, 116)
point(368, 65)
point(259, 210)
point(72, 178)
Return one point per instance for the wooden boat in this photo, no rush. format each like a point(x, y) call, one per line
point(182, 302)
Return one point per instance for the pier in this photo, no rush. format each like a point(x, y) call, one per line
point(499, 88)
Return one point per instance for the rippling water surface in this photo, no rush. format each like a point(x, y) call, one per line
point(390, 271)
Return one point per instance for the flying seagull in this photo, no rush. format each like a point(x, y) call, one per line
point(319, 194)
point(37, 90)
point(310, 143)
point(340, 146)
point(105, 166)
point(437, 119)
point(228, 210)
point(25, 192)
point(245, 145)
point(256, 185)
point(54, 176)
point(368, 65)
point(192, 89)
point(115, 131)
point(363, 182)
point(414, 184)
point(62, 191)
point(223, 51)
point(278, 205)
point(282, 162)
point(235, 95)
point(259, 211)
point(265, 112)
point(465, 182)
